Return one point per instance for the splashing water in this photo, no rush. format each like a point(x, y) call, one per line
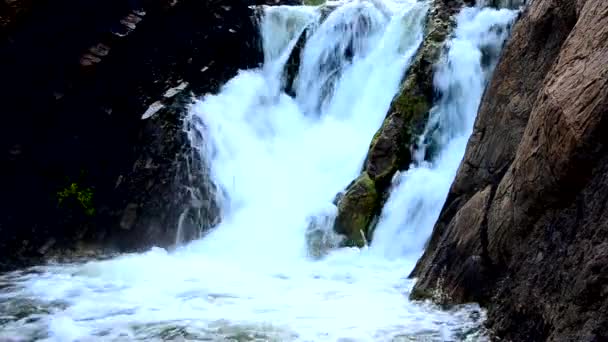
point(416, 201)
point(279, 160)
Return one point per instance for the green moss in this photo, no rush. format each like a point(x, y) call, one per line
point(313, 2)
point(411, 107)
point(390, 145)
point(83, 196)
point(366, 182)
point(354, 242)
point(357, 209)
point(373, 143)
point(376, 136)
point(414, 111)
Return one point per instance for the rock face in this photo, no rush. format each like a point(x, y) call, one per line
point(391, 148)
point(92, 146)
point(524, 229)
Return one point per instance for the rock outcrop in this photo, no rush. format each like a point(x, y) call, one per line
point(391, 148)
point(524, 229)
point(356, 209)
point(92, 147)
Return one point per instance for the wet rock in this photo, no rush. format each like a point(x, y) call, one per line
point(461, 240)
point(77, 76)
point(338, 198)
point(505, 3)
point(391, 148)
point(313, 2)
point(129, 216)
point(356, 210)
point(538, 159)
point(293, 64)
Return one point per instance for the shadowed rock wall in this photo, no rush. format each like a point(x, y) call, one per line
point(81, 169)
point(524, 229)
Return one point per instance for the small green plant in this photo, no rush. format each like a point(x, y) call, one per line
point(84, 196)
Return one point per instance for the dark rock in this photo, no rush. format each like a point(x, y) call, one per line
point(293, 64)
point(538, 158)
point(460, 242)
point(506, 3)
point(338, 198)
point(129, 216)
point(356, 210)
point(76, 78)
point(389, 150)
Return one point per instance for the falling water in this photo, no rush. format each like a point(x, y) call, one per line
point(416, 201)
point(277, 161)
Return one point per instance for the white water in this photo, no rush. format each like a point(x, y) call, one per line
point(280, 161)
point(416, 201)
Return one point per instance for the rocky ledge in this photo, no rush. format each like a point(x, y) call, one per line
point(524, 230)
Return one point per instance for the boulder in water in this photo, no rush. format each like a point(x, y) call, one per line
point(356, 210)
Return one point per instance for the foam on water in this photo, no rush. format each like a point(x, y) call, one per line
point(279, 161)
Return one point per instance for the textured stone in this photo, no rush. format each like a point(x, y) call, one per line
point(356, 210)
point(539, 151)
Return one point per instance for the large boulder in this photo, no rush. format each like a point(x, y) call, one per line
point(355, 210)
point(526, 216)
point(92, 141)
point(391, 147)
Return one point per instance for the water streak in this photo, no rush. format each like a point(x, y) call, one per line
point(416, 201)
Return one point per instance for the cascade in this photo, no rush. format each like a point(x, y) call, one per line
point(277, 160)
point(418, 195)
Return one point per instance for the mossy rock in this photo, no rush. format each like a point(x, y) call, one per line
point(410, 106)
point(313, 2)
point(391, 146)
point(389, 149)
point(414, 110)
point(386, 151)
point(356, 210)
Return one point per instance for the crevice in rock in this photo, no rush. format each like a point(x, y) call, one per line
point(491, 267)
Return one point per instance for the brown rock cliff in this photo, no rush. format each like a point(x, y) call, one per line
point(524, 228)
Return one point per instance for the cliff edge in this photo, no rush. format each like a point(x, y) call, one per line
point(524, 228)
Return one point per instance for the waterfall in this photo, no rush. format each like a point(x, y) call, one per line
point(418, 195)
point(277, 160)
point(280, 159)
